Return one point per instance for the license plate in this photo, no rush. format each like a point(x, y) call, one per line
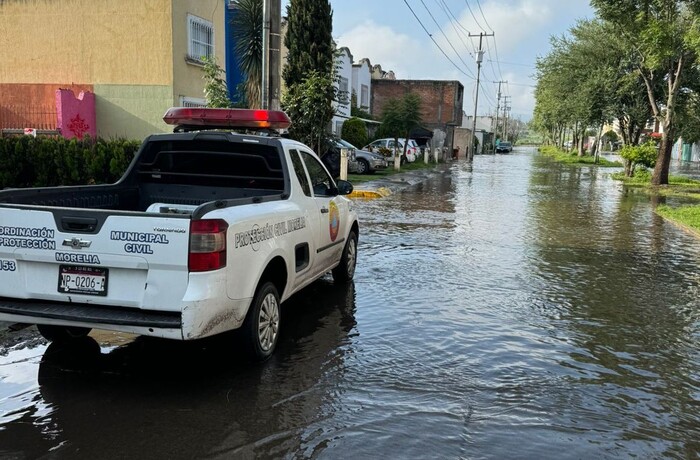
point(74, 279)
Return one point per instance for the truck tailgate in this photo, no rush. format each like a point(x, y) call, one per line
point(132, 260)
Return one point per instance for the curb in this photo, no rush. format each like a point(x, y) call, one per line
point(392, 184)
point(381, 192)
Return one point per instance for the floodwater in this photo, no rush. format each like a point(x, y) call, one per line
point(517, 309)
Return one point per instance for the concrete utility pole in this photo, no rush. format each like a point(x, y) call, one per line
point(479, 58)
point(498, 108)
point(265, 84)
point(275, 54)
point(505, 120)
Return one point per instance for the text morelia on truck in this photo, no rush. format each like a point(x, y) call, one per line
point(209, 230)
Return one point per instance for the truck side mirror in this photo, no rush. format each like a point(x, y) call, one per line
point(344, 187)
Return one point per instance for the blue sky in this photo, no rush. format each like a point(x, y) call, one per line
point(386, 32)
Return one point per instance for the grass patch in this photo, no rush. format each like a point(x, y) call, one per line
point(416, 165)
point(677, 185)
point(685, 216)
point(561, 156)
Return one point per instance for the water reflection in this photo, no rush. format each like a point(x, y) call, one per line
point(621, 289)
point(162, 399)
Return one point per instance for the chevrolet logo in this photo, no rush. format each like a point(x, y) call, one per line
point(77, 243)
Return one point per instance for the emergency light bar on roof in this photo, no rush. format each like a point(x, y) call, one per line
point(227, 118)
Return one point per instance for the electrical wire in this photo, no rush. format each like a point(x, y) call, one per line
point(471, 77)
point(473, 16)
point(466, 66)
point(484, 16)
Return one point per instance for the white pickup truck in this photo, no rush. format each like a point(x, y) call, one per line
point(207, 231)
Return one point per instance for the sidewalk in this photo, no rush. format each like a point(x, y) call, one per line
point(394, 183)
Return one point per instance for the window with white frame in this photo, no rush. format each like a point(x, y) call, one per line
point(200, 37)
point(343, 92)
point(339, 127)
point(192, 102)
point(364, 97)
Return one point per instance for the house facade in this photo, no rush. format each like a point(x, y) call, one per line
point(137, 57)
point(343, 84)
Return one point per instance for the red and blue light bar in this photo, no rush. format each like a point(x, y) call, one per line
point(227, 118)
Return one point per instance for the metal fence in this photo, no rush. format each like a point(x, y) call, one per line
point(40, 117)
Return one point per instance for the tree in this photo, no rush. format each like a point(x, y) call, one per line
point(399, 117)
point(308, 39)
point(308, 105)
point(247, 35)
point(215, 89)
point(664, 38)
point(355, 132)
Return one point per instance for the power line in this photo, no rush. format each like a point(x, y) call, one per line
point(444, 34)
point(473, 16)
point(446, 9)
point(471, 77)
point(484, 16)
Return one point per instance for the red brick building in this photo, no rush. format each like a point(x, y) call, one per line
point(441, 106)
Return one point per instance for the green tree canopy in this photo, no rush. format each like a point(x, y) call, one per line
point(308, 39)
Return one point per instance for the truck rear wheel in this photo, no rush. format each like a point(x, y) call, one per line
point(345, 271)
point(62, 333)
point(261, 327)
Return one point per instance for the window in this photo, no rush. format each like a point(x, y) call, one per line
point(338, 128)
point(200, 35)
point(343, 93)
point(192, 102)
point(364, 97)
point(320, 180)
point(299, 170)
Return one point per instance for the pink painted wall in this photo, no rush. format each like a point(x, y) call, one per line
point(76, 115)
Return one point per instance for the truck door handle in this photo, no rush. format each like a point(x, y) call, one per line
point(324, 211)
point(78, 224)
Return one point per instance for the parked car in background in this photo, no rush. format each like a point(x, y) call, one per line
point(331, 158)
point(504, 147)
point(389, 145)
point(367, 162)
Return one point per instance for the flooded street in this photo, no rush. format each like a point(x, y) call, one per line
point(519, 309)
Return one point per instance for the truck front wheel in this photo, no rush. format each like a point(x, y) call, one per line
point(345, 271)
point(62, 333)
point(261, 326)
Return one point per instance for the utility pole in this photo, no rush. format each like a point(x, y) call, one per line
point(498, 108)
point(265, 84)
point(275, 53)
point(505, 120)
point(479, 58)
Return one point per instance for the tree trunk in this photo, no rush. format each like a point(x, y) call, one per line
point(663, 160)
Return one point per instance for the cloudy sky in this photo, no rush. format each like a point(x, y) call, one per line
point(388, 33)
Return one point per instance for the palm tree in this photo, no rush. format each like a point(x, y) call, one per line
point(247, 35)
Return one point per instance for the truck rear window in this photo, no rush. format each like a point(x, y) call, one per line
point(212, 163)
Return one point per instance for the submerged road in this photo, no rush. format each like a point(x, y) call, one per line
point(516, 309)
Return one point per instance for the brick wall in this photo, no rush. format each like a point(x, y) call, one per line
point(441, 100)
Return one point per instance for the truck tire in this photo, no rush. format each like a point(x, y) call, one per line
point(261, 327)
point(61, 334)
point(345, 271)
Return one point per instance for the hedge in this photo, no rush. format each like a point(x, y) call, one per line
point(47, 161)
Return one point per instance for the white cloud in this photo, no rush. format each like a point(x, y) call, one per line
point(384, 46)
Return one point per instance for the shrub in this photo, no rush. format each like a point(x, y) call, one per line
point(48, 161)
point(355, 132)
point(634, 155)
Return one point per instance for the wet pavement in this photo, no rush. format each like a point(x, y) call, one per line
point(517, 309)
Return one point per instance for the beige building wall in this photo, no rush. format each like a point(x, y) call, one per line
point(188, 81)
point(86, 41)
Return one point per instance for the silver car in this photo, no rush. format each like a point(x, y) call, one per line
point(366, 162)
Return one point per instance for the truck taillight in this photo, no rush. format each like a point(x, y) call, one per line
point(207, 245)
